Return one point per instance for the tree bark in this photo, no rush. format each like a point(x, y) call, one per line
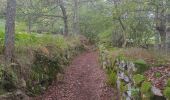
point(76, 28)
point(10, 30)
point(161, 25)
point(124, 33)
point(64, 17)
point(29, 24)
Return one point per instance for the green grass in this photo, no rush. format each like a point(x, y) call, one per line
point(111, 76)
point(2, 25)
point(35, 39)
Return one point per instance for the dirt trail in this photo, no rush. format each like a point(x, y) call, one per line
point(83, 80)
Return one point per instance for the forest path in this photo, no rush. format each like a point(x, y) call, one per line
point(83, 80)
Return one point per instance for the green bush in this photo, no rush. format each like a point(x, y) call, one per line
point(9, 79)
point(20, 26)
point(2, 37)
point(51, 54)
point(135, 93)
point(167, 92)
point(138, 79)
point(146, 87)
point(43, 55)
point(123, 87)
point(146, 90)
point(112, 78)
point(105, 37)
point(168, 83)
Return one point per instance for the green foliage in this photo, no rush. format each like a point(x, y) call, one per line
point(168, 83)
point(8, 79)
point(112, 78)
point(138, 79)
point(123, 87)
point(135, 93)
point(106, 37)
point(140, 62)
point(121, 57)
point(146, 90)
point(146, 87)
point(167, 92)
point(50, 54)
point(1, 71)
point(20, 27)
point(39, 81)
point(1, 41)
point(95, 21)
point(23, 38)
point(2, 25)
point(25, 41)
point(57, 40)
point(132, 26)
point(45, 53)
point(158, 74)
point(141, 66)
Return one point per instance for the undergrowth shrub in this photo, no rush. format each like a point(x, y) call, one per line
point(146, 87)
point(112, 77)
point(135, 93)
point(168, 82)
point(105, 37)
point(146, 93)
point(8, 79)
point(41, 57)
point(50, 55)
point(166, 92)
point(123, 87)
point(138, 79)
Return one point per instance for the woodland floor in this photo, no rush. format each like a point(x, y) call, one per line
point(84, 79)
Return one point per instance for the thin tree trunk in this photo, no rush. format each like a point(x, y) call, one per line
point(124, 33)
point(10, 30)
point(161, 25)
point(76, 28)
point(29, 24)
point(64, 17)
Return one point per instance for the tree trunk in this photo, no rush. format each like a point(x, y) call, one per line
point(10, 30)
point(76, 28)
point(29, 24)
point(124, 33)
point(64, 17)
point(161, 25)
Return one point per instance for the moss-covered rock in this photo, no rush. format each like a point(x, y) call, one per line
point(141, 66)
